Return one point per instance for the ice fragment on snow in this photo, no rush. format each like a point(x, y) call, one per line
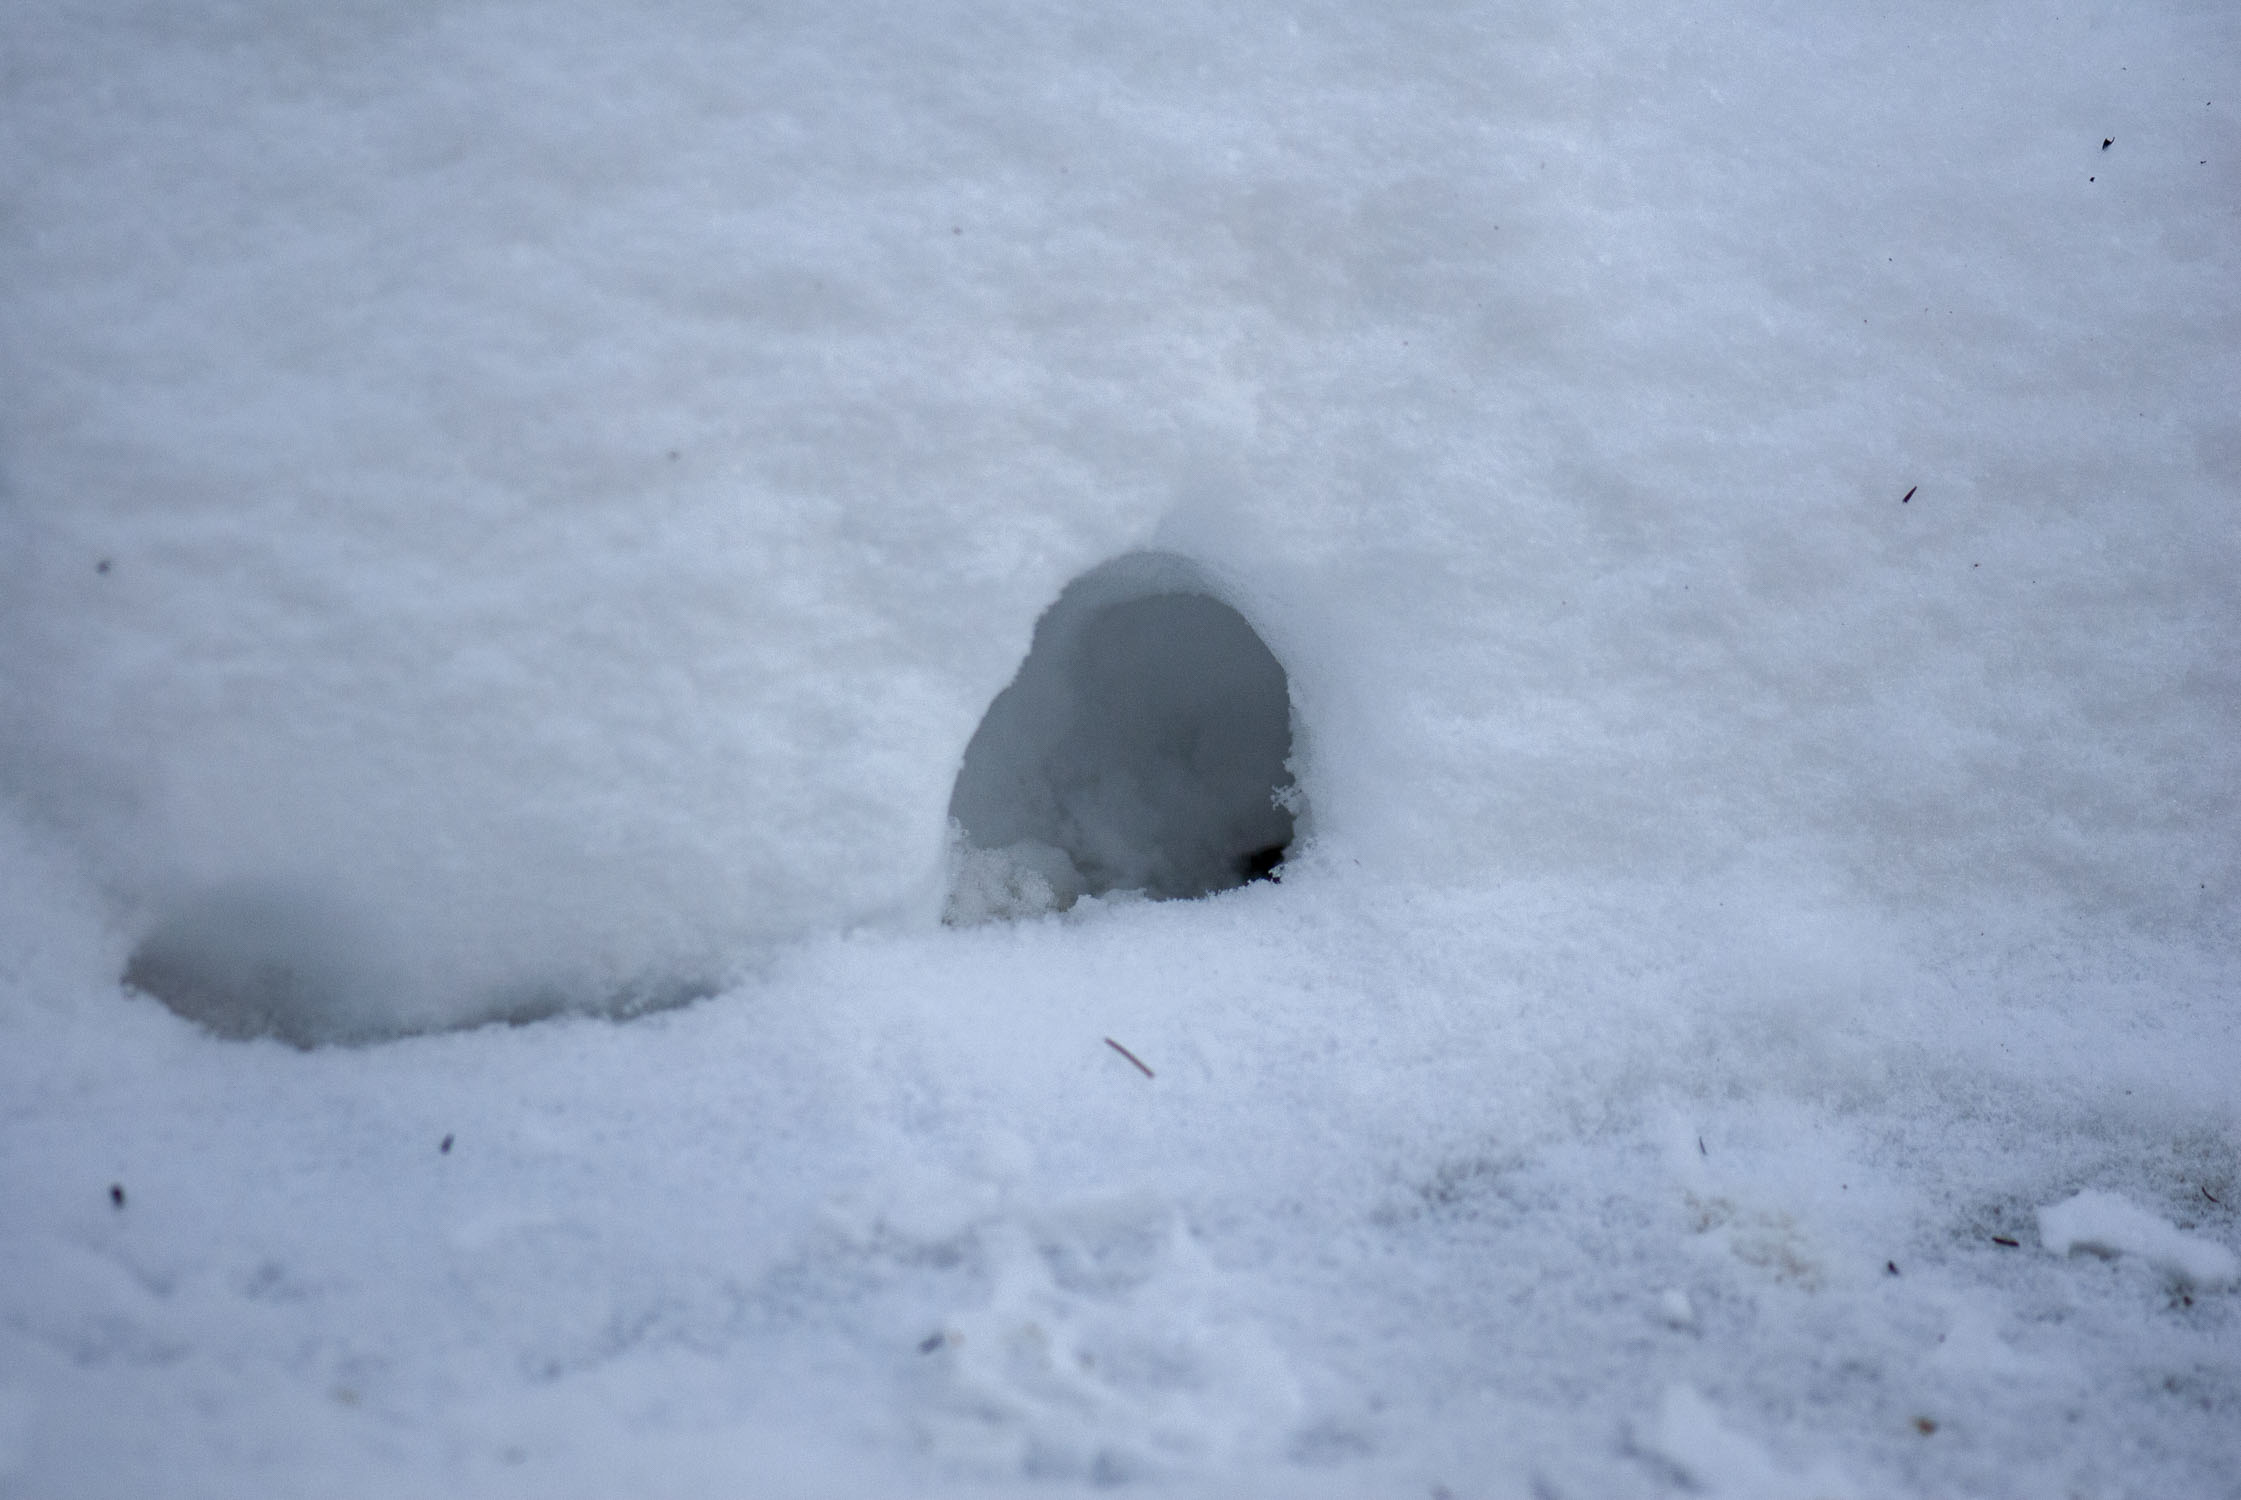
point(2094, 1220)
point(1675, 1308)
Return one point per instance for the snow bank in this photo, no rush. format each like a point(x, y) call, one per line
point(565, 492)
point(2114, 1225)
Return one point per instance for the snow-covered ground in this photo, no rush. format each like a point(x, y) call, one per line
point(510, 509)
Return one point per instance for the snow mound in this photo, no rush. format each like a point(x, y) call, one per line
point(2114, 1225)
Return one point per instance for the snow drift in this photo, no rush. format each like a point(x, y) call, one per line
point(577, 529)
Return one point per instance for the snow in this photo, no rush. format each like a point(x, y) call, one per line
point(1689, 1435)
point(520, 514)
point(2112, 1225)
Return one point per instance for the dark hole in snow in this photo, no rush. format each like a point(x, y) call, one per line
point(1143, 747)
point(254, 960)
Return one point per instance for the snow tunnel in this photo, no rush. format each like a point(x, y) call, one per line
point(1145, 747)
point(251, 961)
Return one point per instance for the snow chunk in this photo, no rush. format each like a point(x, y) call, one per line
point(2115, 1225)
point(1025, 879)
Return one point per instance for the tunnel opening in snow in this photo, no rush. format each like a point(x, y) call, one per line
point(294, 963)
point(1144, 747)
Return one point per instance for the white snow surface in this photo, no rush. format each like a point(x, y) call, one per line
point(1689, 1435)
point(1743, 499)
point(2113, 1225)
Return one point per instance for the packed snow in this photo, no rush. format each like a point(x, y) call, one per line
point(648, 659)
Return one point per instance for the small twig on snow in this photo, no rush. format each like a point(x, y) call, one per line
point(1132, 1057)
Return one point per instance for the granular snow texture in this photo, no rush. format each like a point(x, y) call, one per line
point(517, 512)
